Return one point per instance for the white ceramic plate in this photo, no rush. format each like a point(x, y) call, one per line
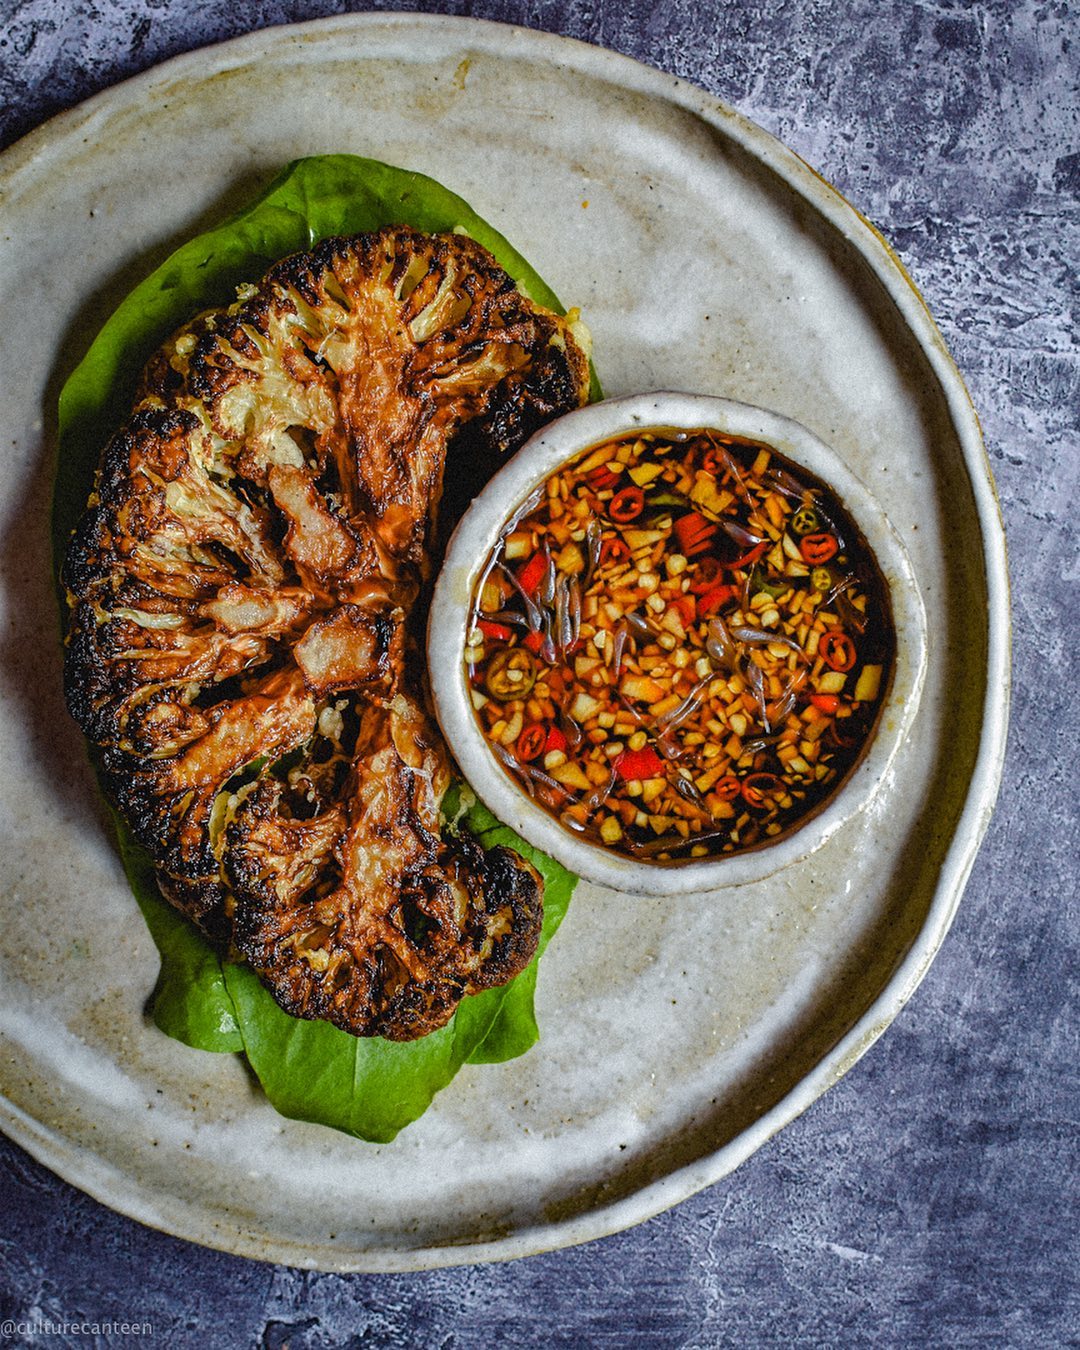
point(679, 1034)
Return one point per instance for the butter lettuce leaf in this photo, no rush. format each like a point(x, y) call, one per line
point(371, 1087)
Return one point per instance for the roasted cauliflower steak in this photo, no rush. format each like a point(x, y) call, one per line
point(247, 589)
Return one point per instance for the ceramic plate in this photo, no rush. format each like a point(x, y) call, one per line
point(678, 1034)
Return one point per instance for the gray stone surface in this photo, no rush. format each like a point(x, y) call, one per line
point(930, 1198)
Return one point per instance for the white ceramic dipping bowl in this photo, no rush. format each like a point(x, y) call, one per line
point(470, 548)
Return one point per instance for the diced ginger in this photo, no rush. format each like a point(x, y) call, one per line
point(705, 494)
point(636, 539)
point(518, 545)
point(491, 597)
point(705, 781)
point(642, 688)
point(644, 474)
point(583, 707)
point(775, 509)
point(571, 775)
point(598, 457)
point(718, 808)
point(610, 830)
point(868, 684)
point(570, 560)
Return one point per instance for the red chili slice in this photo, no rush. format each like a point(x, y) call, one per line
point(626, 505)
point(645, 763)
point(534, 641)
point(614, 550)
point(727, 788)
point(532, 742)
point(714, 600)
point(826, 703)
point(757, 788)
point(748, 559)
point(686, 608)
point(694, 533)
point(706, 575)
point(818, 548)
point(601, 478)
point(497, 632)
point(837, 650)
point(531, 573)
point(555, 740)
point(713, 460)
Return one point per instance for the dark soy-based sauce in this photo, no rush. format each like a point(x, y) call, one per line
point(680, 645)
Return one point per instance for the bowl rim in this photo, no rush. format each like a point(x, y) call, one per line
point(467, 553)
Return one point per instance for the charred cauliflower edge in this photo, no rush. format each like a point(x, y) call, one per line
point(245, 588)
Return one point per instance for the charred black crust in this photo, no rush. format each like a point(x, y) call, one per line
point(510, 882)
point(517, 410)
point(204, 900)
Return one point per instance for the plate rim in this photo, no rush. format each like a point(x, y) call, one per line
point(82, 1168)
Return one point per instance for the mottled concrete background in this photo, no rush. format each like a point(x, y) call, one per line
point(930, 1198)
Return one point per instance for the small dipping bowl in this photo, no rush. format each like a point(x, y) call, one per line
point(469, 554)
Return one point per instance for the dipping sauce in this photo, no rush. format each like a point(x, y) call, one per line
point(679, 645)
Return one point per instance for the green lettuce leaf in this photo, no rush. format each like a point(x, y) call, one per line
point(190, 1001)
point(369, 1088)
